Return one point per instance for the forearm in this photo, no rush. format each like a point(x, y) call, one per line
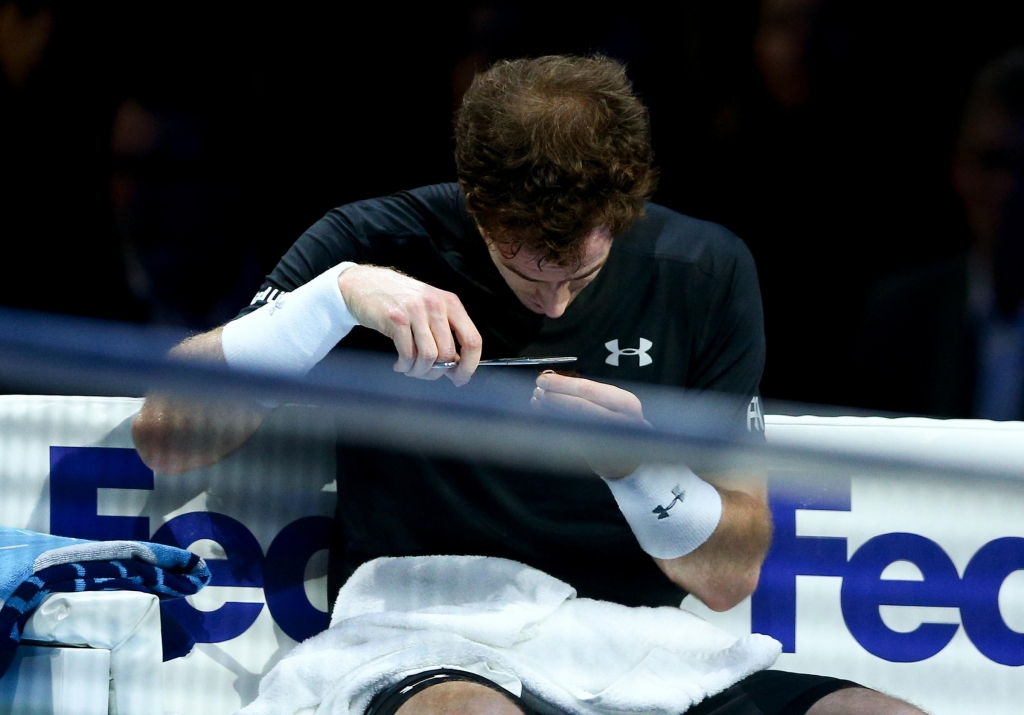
point(708, 535)
point(289, 337)
point(725, 569)
point(173, 435)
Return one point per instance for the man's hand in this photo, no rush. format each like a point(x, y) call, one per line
point(423, 321)
point(724, 569)
point(576, 395)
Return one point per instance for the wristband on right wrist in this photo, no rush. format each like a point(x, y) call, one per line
point(670, 509)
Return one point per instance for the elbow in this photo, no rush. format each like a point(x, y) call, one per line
point(152, 442)
point(147, 444)
point(172, 438)
point(736, 581)
point(719, 586)
point(731, 591)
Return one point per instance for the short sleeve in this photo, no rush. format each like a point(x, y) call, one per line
point(368, 231)
point(730, 354)
point(326, 243)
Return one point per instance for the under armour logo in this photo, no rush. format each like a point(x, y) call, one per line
point(641, 352)
point(755, 418)
point(662, 511)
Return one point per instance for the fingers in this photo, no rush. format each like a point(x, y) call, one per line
point(577, 396)
point(608, 397)
point(572, 405)
point(434, 323)
point(423, 321)
point(426, 349)
point(469, 340)
point(432, 336)
point(405, 346)
point(441, 331)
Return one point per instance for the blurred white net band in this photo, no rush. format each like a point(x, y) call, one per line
point(369, 404)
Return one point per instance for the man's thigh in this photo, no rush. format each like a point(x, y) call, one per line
point(445, 691)
point(769, 692)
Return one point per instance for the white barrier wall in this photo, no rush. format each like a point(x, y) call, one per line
point(68, 466)
point(912, 586)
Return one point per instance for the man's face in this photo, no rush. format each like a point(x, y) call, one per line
point(547, 288)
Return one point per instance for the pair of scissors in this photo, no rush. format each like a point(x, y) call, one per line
point(509, 361)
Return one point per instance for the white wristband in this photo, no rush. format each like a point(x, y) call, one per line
point(293, 332)
point(670, 509)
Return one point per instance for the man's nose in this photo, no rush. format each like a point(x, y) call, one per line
point(554, 298)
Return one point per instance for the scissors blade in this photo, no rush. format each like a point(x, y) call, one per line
point(510, 361)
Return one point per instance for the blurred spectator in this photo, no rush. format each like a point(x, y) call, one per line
point(829, 166)
point(780, 49)
point(61, 250)
point(25, 29)
point(143, 144)
point(188, 259)
point(948, 339)
point(147, 154)
point(490, 30)
point(793, 173)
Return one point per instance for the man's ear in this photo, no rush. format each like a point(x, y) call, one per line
point(470, 198)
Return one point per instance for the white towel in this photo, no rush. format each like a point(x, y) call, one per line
point(585, 657)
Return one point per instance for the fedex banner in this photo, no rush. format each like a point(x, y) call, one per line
point(912, 586)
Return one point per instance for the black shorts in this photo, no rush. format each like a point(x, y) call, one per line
point(768, 692)
point(771, 692)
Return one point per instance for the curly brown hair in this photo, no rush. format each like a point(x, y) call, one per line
point(549, 149)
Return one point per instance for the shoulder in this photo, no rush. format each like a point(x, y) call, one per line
point(668, 236)
point(407, 212)
point(386, 231)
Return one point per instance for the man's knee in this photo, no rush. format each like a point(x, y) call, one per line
point(862, 701)
point(459, 698)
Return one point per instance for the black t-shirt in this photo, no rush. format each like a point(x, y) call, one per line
point(676, 304)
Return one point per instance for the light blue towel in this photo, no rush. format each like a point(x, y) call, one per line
point(22, 553)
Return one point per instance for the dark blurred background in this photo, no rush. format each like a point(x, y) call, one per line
point(156, 159)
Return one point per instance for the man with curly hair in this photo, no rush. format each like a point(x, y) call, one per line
point(547, 245)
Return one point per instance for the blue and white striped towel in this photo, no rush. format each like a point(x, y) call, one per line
point(33, 565)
